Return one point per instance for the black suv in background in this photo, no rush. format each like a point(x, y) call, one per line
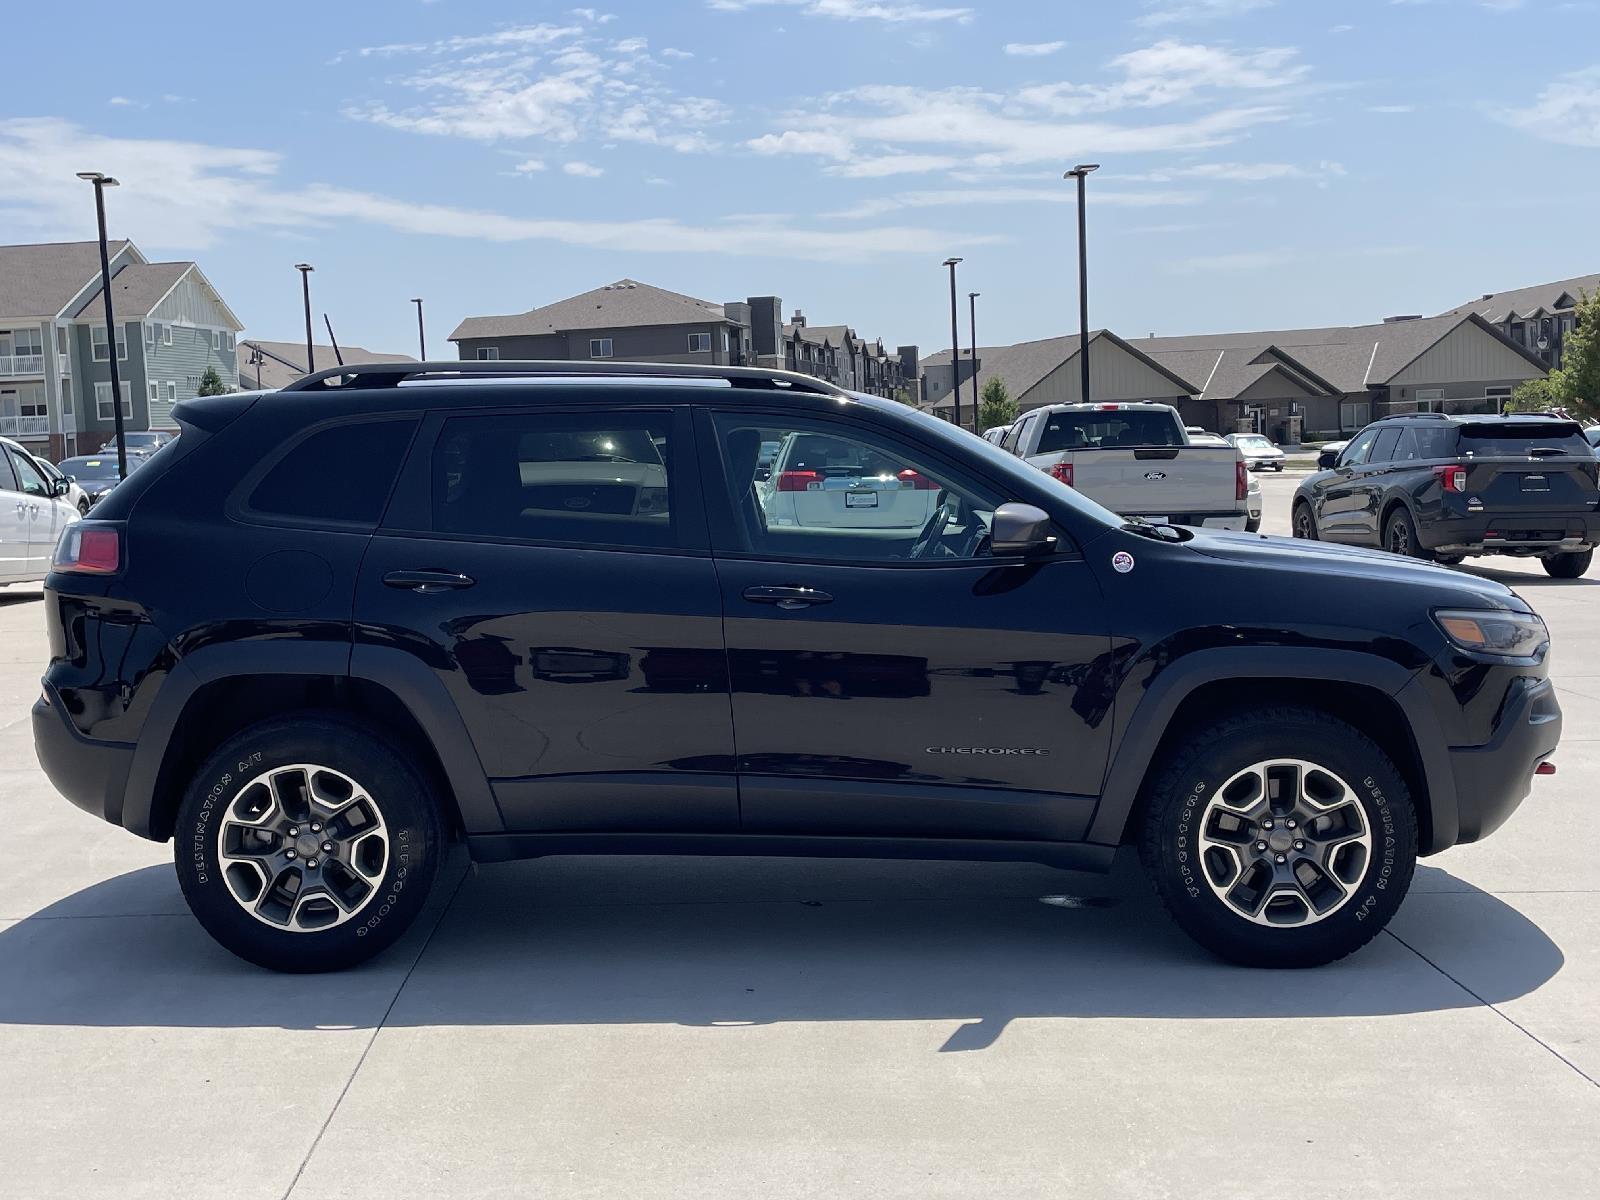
point(564, 608)
point(1445, 488)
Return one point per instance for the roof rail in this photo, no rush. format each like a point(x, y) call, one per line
point(392, 374)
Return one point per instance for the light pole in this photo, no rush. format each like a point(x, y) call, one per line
point(256, 360)
point(422, 340)
point(101, 182)
point(1081, 173)
point(972, 329)
point(305, 270)
point(955, 345)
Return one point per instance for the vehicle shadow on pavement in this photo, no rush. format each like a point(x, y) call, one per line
point(1523, 579)
point(710, 942)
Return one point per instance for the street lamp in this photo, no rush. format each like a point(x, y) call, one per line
point(972, 328)
point(422, 341)
point(955, 345)
point(305, 270)
point(1081, 173)
point(101, 182)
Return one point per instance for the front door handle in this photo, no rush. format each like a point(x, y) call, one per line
point(428, 581)
point(788, 598)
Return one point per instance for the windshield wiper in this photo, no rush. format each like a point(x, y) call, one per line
point(1546, 452)
point(1149, 529)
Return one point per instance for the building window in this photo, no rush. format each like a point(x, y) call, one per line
point(599, 347)
point(172, 390)
point(166, 335)
point(64, 349)
point(97, 340)
point(488, 353)
point(155, 392)
point(699, 343)
point(1355, 414)
point(66, 398)
point(227, 340)
point(150, 336)
point(102, 403)
point(1430, 399)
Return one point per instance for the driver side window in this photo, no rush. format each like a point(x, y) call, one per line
point(836, 492)
point(29, 479)
point(1356, 452)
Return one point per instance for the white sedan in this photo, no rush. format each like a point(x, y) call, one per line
point(1259, 454)
point(33, 512)
point(821, 482)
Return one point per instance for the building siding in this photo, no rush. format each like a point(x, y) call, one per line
point(1114, 375)
point(182, 364)
point(1466, 355)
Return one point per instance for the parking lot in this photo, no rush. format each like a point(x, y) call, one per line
point(676, 1027)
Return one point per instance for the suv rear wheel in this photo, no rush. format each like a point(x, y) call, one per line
point(1568, 566)
point(306, 843)
point(1400, 536)
point(1279, 837)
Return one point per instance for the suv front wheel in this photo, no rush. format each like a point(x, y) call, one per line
point(1279, 837)
point(306, 843)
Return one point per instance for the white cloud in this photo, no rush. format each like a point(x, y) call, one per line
point(852, 10)
point(883, 165)
point(793, 141)
point(1033, 49)
point(1164, 12)
point(1392, 108)
point(1243, 260)
point(529, 166)
point(583, 170)
point(555, 83)
point(955, 197)
point(1172, 72)
point(1567, 111)
point(188, 196)
point(1235, 172)
point(120, 102)
point(674, 52)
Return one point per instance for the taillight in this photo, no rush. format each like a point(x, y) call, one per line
point(1241, 480)
point(798, 481)
point(89, 548)
point(1453, 479)
point(1062, 471)
point(917, 481)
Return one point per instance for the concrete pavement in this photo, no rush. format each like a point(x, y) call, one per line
point(665, 1027)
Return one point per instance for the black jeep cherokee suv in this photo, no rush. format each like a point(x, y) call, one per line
point(1440, 487)
point(563, 608)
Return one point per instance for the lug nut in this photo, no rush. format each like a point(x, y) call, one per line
point(1280, 859)
point(1299, 845)
point(288, 853)
point(1289, 823)
point(327, 847)
point(315, 828)
point(294, 831)
point(1261, 846)
point(1267, 824)
point(311, 862)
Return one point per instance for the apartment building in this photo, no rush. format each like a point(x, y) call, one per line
point(55, 349)
point(1536, 318)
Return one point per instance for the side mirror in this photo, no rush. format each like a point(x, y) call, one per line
point(1020, 529)
point(1327, 460)
point(60, 487)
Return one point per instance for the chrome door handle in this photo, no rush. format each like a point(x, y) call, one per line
point(428, 581)
point(788, 598)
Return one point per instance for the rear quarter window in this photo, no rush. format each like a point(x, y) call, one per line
point(341, 475)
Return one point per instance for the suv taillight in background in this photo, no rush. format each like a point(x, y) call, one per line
point(1452, 479)
point(89, 548)
point(1241, 480)
point(1062, 471)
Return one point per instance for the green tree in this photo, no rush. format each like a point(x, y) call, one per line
point(1575, 385)
point(211, 384)
point(996, 406)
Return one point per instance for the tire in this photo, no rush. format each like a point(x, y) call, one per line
point(1568, 566)
point(1305, 524)
point(377, 810)
point(83, 508)
point(1252, 525)
point(1183, 804)
point(1400, 536)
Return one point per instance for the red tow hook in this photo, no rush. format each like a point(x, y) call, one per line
point(1545, 768)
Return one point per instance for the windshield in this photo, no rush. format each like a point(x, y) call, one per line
point(92, 468)
point(1501, 440)
point(1108, 430)
point(1254, 441)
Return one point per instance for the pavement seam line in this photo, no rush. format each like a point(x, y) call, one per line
point(1520, 1028)
point(376, 1029)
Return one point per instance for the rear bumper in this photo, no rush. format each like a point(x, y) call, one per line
point(93, 775)
point(1511, 533)
point(1492, 780)
point(1233, 519)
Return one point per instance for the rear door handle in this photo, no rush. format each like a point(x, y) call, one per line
point(428, 581)
point(788, 598)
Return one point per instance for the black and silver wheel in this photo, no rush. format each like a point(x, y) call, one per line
point(307, 844)
point(83, 507)
point(1304, 524)
point(1571, 565)
point(1279, 837)
point(1400, 536)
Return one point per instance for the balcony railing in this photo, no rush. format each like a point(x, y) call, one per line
point(24, 426)
point(13, 366)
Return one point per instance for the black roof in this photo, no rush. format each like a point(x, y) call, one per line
point(1474, 418)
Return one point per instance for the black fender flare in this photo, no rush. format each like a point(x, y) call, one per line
point(1147, 723)
point(416, 687)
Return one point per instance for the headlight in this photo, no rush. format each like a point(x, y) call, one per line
point(1504, 634)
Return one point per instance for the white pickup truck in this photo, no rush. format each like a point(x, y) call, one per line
point(1137, 460)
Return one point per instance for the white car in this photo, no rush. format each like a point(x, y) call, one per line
point(821, 482)
point(33, 512)
point(76, 496)
point(1259, 454)
point(996, 435)
point(1199, 437)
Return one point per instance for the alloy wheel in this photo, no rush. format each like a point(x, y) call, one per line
point(1285, 843)
point(303, 848)
point(1399, 538)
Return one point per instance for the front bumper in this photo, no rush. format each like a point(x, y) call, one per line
point(1492, 780)
point(93, 775)
point(1519, 533)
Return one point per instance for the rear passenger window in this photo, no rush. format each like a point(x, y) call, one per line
point(1383, 449)
point(594, 479)
point(342, 474)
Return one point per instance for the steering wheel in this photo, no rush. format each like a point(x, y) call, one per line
point(933, 531)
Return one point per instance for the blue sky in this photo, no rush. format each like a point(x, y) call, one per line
point(1265, 163)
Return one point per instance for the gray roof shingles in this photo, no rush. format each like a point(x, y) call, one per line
point(39, 280)
point(137, 289)
point(284, 362)
point(621, 305)
point(1529, 301)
